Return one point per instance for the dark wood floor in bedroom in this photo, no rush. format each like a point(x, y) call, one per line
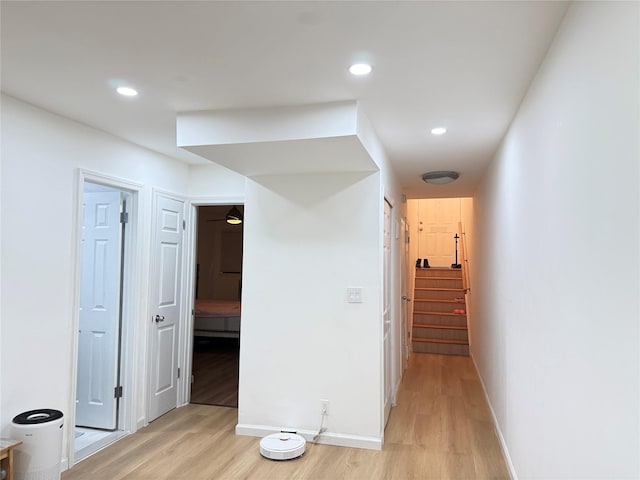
point(215, 371)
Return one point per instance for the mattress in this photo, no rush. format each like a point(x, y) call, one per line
point(217, 318)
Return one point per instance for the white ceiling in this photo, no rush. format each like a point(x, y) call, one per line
point(463, 65)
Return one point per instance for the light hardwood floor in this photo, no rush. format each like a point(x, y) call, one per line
point(440, 429)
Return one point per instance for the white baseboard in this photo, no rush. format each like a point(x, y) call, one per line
point(496, 426)
point(327, 438)
point(141, 423)
point(394, 402)
point(64, 464)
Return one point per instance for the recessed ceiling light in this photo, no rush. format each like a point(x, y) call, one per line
point(438, 131)
point(127, 91)
point(360, 69)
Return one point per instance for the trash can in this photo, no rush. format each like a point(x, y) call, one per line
point(40, 432)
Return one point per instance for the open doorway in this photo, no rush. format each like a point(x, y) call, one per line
point(98, 378)
point(218, 291)
point(441, 290)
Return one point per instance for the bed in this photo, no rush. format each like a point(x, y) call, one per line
point(217, 318)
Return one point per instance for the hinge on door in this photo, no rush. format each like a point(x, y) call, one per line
point(178, 372)
point(124, 217)
point(184, 224)
point(117, 393)
point(193, 379)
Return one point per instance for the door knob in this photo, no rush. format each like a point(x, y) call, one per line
point(159, 318)
point(404, 297)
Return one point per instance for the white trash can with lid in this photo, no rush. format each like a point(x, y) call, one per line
point(40, 432)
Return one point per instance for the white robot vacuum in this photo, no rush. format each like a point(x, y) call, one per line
point(282, 446)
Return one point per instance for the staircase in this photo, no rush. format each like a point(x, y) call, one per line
point(436, 328)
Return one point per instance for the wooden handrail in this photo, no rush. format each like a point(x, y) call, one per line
point(463, 259)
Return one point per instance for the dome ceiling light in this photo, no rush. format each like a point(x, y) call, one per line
point(440, 177)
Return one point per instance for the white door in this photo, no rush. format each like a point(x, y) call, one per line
point(439, 218)
point(386, 312)
point(166, 301)
point(97, 375)
point(405, 287)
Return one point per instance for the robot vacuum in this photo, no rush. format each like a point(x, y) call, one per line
point(282, 446)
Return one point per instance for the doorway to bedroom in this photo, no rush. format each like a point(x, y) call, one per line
point(218, 291)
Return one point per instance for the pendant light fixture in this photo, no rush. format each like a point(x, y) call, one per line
point(234, 216)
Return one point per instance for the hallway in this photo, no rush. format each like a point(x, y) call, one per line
point(443, 423)
point(440, 429)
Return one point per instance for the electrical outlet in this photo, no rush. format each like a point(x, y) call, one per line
point(324, 407)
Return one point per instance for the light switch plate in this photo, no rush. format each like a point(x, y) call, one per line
point(354, 294)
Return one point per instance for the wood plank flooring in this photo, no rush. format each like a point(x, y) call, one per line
point(215, 371)
point(440, 429)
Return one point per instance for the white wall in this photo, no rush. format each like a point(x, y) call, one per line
point(390, 190)
point(313, 227)
point(308, 238)
point(41, 153)
point(555, 318)
point(468, 236)
point(215, 181)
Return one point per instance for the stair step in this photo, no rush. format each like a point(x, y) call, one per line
point(440, 289)
point(438, 282)
point(440, 340)
point(424, 312)
point(434, 272)
point(434, 313)
point(439, 293)
point(440, 278)
point(439, 318)
point(438, 300)
point(447, 327)
point(440, 333)
point(437, 306)
point(440, 348)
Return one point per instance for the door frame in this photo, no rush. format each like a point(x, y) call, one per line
point(405, 292)
point(131, 306)
point(189, 284)
point(388, 401)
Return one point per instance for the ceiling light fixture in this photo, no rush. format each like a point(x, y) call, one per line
point(441, 177)
point(234, 216)
point(438, 131)
point(360, 69)
point(127, 91)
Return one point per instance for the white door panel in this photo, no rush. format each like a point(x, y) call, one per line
point(166, 339)
point(439, 223)
point(99, 311)
point(166, 288)
point(168, 293)
point(386, 314)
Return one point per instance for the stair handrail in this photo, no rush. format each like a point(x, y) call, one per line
point(463, 259)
